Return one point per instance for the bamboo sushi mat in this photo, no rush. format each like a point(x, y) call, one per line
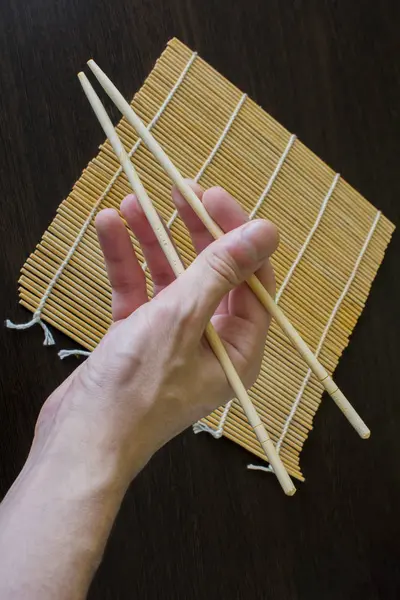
point(332, 240)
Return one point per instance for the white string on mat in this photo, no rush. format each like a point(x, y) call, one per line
point(37, 315)
point(308, 238)
point(323, 338)
point(66, 353)
point(209, 158)
point(199, 426)
point(214, 150)
point(273, 177)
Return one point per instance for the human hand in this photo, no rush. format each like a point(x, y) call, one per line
point(154, 374)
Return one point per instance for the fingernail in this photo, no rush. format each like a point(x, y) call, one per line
point(254, 237)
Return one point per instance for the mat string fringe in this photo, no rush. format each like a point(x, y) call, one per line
point(48, 336)
point(66, 353)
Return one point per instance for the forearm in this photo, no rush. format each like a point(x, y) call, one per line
point(54, 524)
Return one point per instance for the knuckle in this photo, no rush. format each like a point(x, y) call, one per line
point(174, 320)
point(167, 313)
point(123, 286)
point(176, 314)
point(224, 267)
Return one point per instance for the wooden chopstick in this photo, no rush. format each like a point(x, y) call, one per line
point(267, 301)
point(178, 268)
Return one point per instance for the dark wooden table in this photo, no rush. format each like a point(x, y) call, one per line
point(196, 524)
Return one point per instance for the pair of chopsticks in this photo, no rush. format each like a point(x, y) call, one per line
point(178, 268)
point(267, 301)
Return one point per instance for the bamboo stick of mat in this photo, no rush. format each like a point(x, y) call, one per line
point(267, 301)
point(178, 268)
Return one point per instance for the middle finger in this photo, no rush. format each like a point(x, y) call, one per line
point(159, 267)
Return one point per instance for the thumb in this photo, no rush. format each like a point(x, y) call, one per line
point(225, 264)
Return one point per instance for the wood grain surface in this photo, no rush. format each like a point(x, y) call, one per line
point(196, 524)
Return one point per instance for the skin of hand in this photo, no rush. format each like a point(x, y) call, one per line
point(152, 375)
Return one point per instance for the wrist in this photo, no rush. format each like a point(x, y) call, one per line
point(79, 440)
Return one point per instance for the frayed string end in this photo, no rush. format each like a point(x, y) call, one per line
point(48, 336)
point(268, 469)
point(200, 427)
point(66, 353)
